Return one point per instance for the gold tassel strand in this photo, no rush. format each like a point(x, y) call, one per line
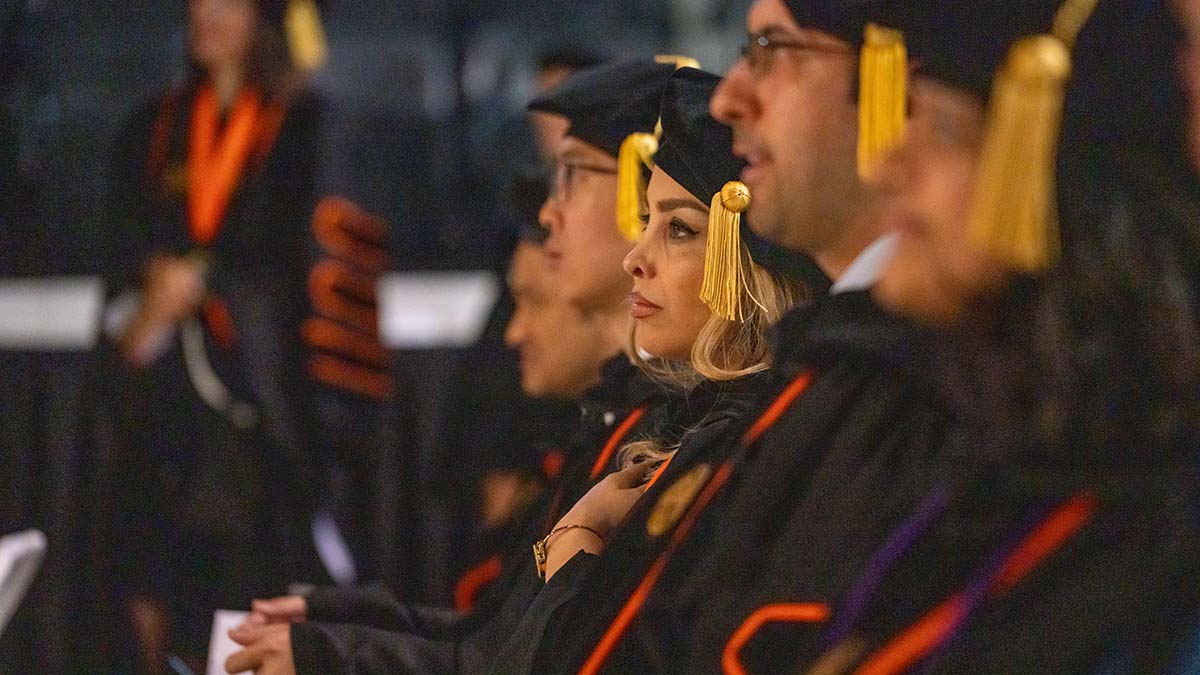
point(1014, 211)
point(637, 151)
point(305, 36)
point(724, 275)
point(883, 97)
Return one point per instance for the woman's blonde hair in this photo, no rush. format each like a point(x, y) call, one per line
point(724, 350)
point(727, 350)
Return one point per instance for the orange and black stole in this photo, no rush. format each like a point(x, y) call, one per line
point(682, 531)
point(219, 155)
point(471, 585)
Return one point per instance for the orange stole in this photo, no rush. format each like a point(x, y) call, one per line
point(215, 164)
point(934, 628)
point(633, 606)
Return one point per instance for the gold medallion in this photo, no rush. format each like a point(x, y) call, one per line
point(676, 499)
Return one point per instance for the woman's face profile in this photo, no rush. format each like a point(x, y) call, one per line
point(221, 31)
point(667, 267)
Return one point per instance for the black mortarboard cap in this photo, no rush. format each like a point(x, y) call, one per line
point(695, 149)
point(606, 104)
point(697, 152)
point(963, 43)
point(1062, 127)
point(845, 19)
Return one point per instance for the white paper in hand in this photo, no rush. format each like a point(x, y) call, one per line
point(221, 646)
point(20, 557)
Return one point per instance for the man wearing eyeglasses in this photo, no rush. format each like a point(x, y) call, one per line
point(792, 104)
point(585, 246)
point(844, 448)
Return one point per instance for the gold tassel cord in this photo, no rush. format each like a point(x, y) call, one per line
point(1070, 19)
point(1013, 214)
point(305, 35)
point(1014, 211)
point(883, 97)
point(724, 273)
point(636, 153)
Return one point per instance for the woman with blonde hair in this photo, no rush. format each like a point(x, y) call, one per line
point(702, 314)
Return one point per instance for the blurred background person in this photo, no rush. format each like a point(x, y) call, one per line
point(213, 190)
point(1188, 14)
point(505, 435)
point(1062, 537)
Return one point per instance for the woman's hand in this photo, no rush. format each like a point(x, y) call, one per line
point(601, 509)
point(268, 650)
point(283, 609)
point(172, 290)
point(174, 287)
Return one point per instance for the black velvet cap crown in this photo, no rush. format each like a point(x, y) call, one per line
point(1122, 124)
point(697, 152)
point(695, 149)
point(963, 43)
point(606, 104)
point(845, 19)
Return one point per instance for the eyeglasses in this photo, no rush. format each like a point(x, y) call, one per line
point(760, 50)
point(564, 173)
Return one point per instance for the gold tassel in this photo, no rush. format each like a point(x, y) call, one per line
point(883, 97)
point(637, 151)
point(724, 275)
point(1014, 211)
point(305, 35)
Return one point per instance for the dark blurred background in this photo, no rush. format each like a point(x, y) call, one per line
point(423, 99)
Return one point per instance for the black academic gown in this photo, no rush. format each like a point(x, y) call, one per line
point(216, 510)
point(373, 632)
point(847, 412)
point(568, 598)
point(1027, 564)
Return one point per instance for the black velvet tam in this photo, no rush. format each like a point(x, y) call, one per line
point(695, 149)
point(964, 43)
point(606, 104)
point(845, 19)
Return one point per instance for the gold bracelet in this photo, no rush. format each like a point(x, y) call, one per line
point(540, 551)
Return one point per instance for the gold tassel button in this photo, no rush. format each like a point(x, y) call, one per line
point(1040, 57)
point(724, 274)
point(735, 196)
point(677, 60)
